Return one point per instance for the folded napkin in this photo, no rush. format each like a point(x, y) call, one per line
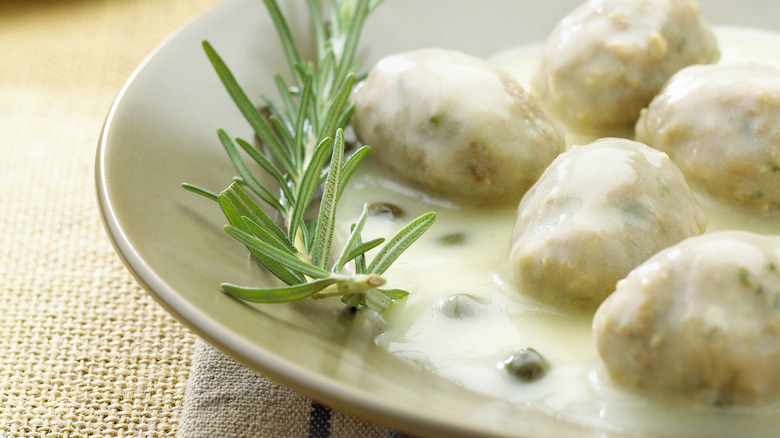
point(225, 399)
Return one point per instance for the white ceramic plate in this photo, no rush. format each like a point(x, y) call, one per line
point(161, 131)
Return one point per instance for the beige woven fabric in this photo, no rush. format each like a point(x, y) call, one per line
point(83, 350)
point(225, 399)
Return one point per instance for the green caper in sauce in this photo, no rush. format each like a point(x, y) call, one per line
point(527, 365)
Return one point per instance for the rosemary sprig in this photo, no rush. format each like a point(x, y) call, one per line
point(303, 151)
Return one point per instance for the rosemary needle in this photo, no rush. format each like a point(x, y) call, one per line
point(303, 153)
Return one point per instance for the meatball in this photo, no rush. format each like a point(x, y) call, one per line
point(718, 123)
point(596, 213)
point(698, 321)
point(454, 125)
point(606, 60)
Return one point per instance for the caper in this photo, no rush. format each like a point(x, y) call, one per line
point(453, 239)
point(527, 365)
point(459, 306)
point(385, 209)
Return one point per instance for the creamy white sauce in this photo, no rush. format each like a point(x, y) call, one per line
point(469, 350)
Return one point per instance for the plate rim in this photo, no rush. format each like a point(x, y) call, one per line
point(314, 386)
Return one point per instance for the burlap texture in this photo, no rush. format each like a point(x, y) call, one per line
point(227, 400)
point(84, 351)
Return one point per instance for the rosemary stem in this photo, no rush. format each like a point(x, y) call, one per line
point(304, 136)
point(351, 285)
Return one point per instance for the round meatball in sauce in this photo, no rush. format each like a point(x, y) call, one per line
point(719, 123)
point(597, 212)
point(606, 60)
point(455, 125)
point(699, 321)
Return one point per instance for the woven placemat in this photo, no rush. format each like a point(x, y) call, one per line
point(83, 350)
point(225, 399)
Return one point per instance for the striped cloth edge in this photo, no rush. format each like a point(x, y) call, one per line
point(226, 399)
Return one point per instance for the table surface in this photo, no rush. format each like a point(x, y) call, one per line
point(83, 349)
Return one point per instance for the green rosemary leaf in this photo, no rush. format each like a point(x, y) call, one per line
point(354, 237)
point(304, 113)
point(246, 206)
point(323, 176)
point(288, 42)
point(304, 69)
point(377, 301)
point(278, 123)
point(268, 237)
point(287, 101)
point(308, 110)
point(351, 43)
point(261, 159)
point(303, 150)
point(308, 228)
point(364, 247)
point(229, 207)
point(245, 174)
point(346, 115)
point(318, 23)
point(360, 259)
point(326, 219)
point(277, 294)
point(308, 185)
point(400, 242)
point(235, 219)
point(291, 262)
point(250, 112)
point(333, 113)
point(200, 191)
point(283, 131)
point(325, 77)
point(269, 167)
point(361, 77)
point(335, 20)
point(351, 166)
point(394, 294)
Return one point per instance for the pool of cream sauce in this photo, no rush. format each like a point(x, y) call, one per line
point(465, 253)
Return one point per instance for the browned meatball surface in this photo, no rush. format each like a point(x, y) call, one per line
point(455, 126)
point(606, 60)
point(699, 321)
point(596, 213)
point(719, 123)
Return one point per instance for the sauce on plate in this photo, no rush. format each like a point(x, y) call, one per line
point(464, 317)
